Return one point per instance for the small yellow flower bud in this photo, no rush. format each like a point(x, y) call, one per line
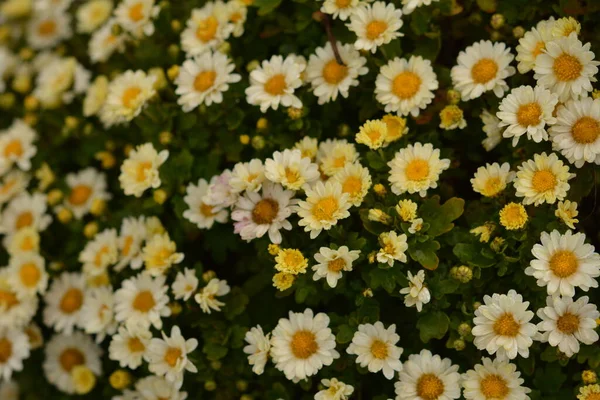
point(462, 274)
point(120, 379)
point(497, 21)
point(368, 292)
point(476, 305)
point(31, 103)
point(54, 196)
point(596, 94)
point(252, 65)
point(165, 137)
point(244, 139)
point(110, 145)
point(22, 83)
point(518, 32)
point(116, 29)
point(453, 96)
point(283, 280)
point(589, 377)
point(380, 190)
point(274, 249)
point(173, 72)
point(344, 130)
point(65, 215)
point(464, 329)
point(98, 207)
point(176, 25)
point(71, 122)
point(208, 275)
point(7, 100)
point(175, 308)
point(495, 36)
point(379, 216)
point(127, 149)
point(372, 256)
point(224, 48)
point(294, 113)
point(246, 397)
point(262, 124)
point(26, 54)
point(88, 129)
point(160, 196)
point(106, 158)
point(216, 365)
point(258, 142)
point(241, 385)
point(83, 379)
point(498, 244)
point(90, 229)
point(160, 81)
point(459, 345)
point(56, 265)
point(4, 34)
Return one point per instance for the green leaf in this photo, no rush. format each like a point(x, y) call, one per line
point(440, 217)
point(266, 6)
point(433, 325)
point(345, 334)
point(236, 303)
point(214, 351)
point(424, 253)
point(368, 312)
point(375, 161)
point(470, 254)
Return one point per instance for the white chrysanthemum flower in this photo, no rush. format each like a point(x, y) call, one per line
point(64, 300)
point(129, 347)
point(97, 314)
point(185, 284)
point(247, 176)
point(567, 211)
point(291, 169)
point(135, 16)
point(133, 232)
point(375, 346)
point(410, 5)
point(142, 301)
point(576, 133)
point(8, 62)
point(25, 210)
point(494, 380)
point(200, 212)
point(25, 240)
point(65, 352)
point(95, 96)
point(220, 192)
point(308, 147)
point(207, 28)
point(93, 14)
point(331, 263)
point(86, 187)
point(567, 68)
point(16, 146)
point(542, 180)
point(372, 134)
point(204, 79)
point(335, 390)
point(493, 132)
point(47, 29)
point(258, 348)
point(492, 179)
point(502, 326)
point(27, 274)
point(324, 206)
point(127, 96)
point(14, 349)
point(416, 294)
point(565, 26)
point(160, 254)
point(427, 376)
point(532, 44)
point(341, 9)
point(416, 168)
point(482, 67)
point(168, 356)
point(237, 12)
point(158, 388)
point(257, 214)
point(393, 248)
point(328, 78)
point(566, 322)
point(104, 42)
point(375, 25)
point(99, 253)
point(274, 83)
point(527, 110)
point(564, 262)
point(13, 184)
point(302, 344)
point(60, 81)
point(207, 296)
point(15, 312)
point(356, 182)
point(334, 154)
point(139, 171)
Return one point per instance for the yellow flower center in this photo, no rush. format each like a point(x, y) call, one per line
point(529, 114)
point(70, 358)
point(492, 186)
point(7, 300)
point(506, 325)
point(80, 194)
point(513, 216)
point(336, 265)
point(24, 220)
point(567, 67)
point(276, 85)
point(406, 84)
point(130, 95)
point(235, 17)
point(127, 245)
point(172, 355)
point(206, 210)
point(539, 48)
point(430, 387)
point(451, 115)
point(334, 73)
point(304, 344)
point(342, 3)
point(586, 130)
point(100, 255)
point(8, 186)
point(379, 349)
point(417, 170)
point(27, 244)
point(136, 12)
point(292, 175)
point(135, 345)
point(543, 181)
point(484, 70)
point(47, 28)
point(159, 258)
point(13, 148)
point(375, 28)
point(568, 323)
point(204, 80)
point(494, 387)
point(5, 350)
point(352, 185)
point(30, 274)
point(141, 170)
point(395, 127)
point(265, 211)
point(325, 208)
point(143, 301)
point(207, 29)
point(563, 263)
point(71, 301)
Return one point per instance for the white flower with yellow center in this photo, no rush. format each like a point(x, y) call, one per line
point(308, 147)
point(160, 254)
point(564, 262)
point(64, 353)
point(567, 68)
point(207, 296)
point(492, 179)
point(60, 81)
point(334, 154)
point(204, 79)
point(27, 274)
point(566, 323)
point(258, 348)
point(427, 376)
point(324, 206)
point(589, 392)
point(133, 232)
point(14, 312)
point(142, 301)
point(199, 212)
point(237, 12)
point(139, 171)
point(291, 169)
point(185, 284)
point(527, 110)
point(355, 180)
point(565, 27)
point(26, 240)
point(100, 253)
point(375, 25)
point(335, 390)
point(47, 29)
point(302, 344)
point(14, 349)
point(331, 263)
point(85, 187)
point(393, 248)
point(220, 192)
point(502, 326)
point(207, 28)
point(157, 388)
point(396, 128)
point(495, 379)
point(23, 211)
point(16, 146)
point(95, 96)
point(328, 78)
point(97, 313)
point(576, 133)
point(341, 9)
point(567, 211)
point(247, 176)
point(64, 301)
point(127, 95)
point(168, 356)
point(135, 16)
point(493, 132)
point(532, 44)
point(13, 183)
point(375, 346)
point(274, 82)
point(416, 294)
point(410, 5)
point(406, 86)
point(93, 14)
point(482, 67)
point(104, 42)
point(129, 347)
point(416, 168)
point(542, 180)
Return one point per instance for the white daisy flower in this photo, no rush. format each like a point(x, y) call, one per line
point(47, 29)
point(127, 95)
point(237, 12)
point(247, 176)
point(341, 9)
point(25, 240)
point(168, 356)
point(139, 171)
point(410, 5)
point(97, 313)
point(375, 25)
point(160, 254)
point(416, 294)
point(332, 262)
point(12, 184)
point(527, 110)
point(406, 86)
point(427, 376)
point(93, 14)
point(567, 68)
point(100, 253)
point(14, 349)
point(494, 380)
point(135, 16)
point(393, 248)
point(129, 347)
point(291, 169)
point(86, 186)
point(274, 83)
point(564, 262)
point(308, 147)
point(415, 225)
point(502, 326)
point(15, 312)
point(542, 180)
point(334, 154)
point(25, 210)
point(27, 274)
point(157, 388)
point(204, 79)
point(482, 67)
point(324, 206)
point(565, 26)
point(416, 168)
point(220, 192)
point(200, 212)
point(142, 301)
point(104, 42)
point(567, 212)
point(375, 346)
point(207, 296)
point(207, 28)
point(64, 300)
point(60, 81)
point(493, 132)
point(133, 232)
point(303, 344)
point(356, 182)
point(492, 179)
point(328, 78)
point(335, 390)
point(95, 96)
point(258, 348)
point(185, 284)
point(16, 146)
point(532, 44)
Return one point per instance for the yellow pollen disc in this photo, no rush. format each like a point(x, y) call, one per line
point(593, 396)
point(141, 169)
point(506, 325)
point(7, 300)
point(204, 80)
point(339, 162)
point(5, 350)
point(172, 355)
point(430, 387)
point(334, 73)
point(47, 28)
point(235, 17)
point(586, 130)
point(513, 216)
point(304, 344)
point(80, 194)
point(130, 95)
point(207, 29)
point(417, 170)
point(70, 358)
point(494, 387)
point(336, 265)
point(352, 185)
point(71, 301)
point(568, 323)
point(13, 148)
point(135, 345)
point(375, 28)
point(136, 12)
point(406, 84)
point(27, 244)
point(30, 274)
point(563, 263)
point(539, 48)
point(567, 67)
point(292, 175)
point(110, 39)
point(265, 211)
point(492, 186)
point(484, 70)
point(379, 349)
point(276, 85)
point(342, 3)
point(143, 301)
point(127, 245)
point(24, 220)
point(543, 181)
point(100, 255)
point(324, 209)
point(8, 185)
point(206, 210)
point(529, 114)
point(293, 258)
